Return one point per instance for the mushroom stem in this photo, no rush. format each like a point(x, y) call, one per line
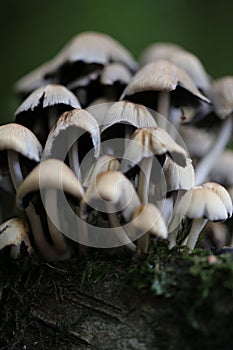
point(163, 108)
point(74, 160)
point(172, 237)
point(120, 233)
point(53, 220)
point(144, 179)
point(15, 168)
point(205, 165)
point(197, 226)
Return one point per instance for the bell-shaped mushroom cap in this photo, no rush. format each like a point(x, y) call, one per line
point(223, 169)
point(148, 219)
point(221, 95)
point(128, 113)
point(47, 96)
point(148, 141)
point(158, 51)
point(14, 232)
point(175, 178)
point(115, 72)
point(222, 194)
point(163, 76)
point(113, 187)
point(201, 202)
point(58, 142)
point(52, 173)
point(93, 47)
point(104, 163)
point(98, 108)
point(18, 138)
point(198, 141)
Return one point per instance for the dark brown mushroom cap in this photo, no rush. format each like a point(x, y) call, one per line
point(162, 76)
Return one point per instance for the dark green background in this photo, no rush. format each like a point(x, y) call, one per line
point(33, 31)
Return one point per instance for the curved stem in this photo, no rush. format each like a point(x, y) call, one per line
point(74, 160)
point(53, 220)
point(120, 233)
point(205, 165)
point(194, 233)
point(15, 168)
point(144, 179)
point(163, 108)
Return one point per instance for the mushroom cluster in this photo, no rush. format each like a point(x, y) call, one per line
point(104, 152)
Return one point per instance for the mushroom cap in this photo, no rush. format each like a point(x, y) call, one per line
point(128, 113)
point(158, 51)
point(51, 173)
point(223, 195)
point(47, 96)
point(148, 219)
point(114, 187)
point(104, 163)
point(148, 141)
point(198, 141)
point(13, 232)
point(18, 138)
point(201, 202)
point(71, 121)
point(223, 169)
point(98, 108)
point(93, 47)
point(115, 72)
point(221, 95)
point(186, 60)
point(175, 178)
point(164, 76)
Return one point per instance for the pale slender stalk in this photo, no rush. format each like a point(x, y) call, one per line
point(120, 233)
point(36, 226)
point(172, 237)
point(144, 179)
point(74, 160)
point(163, 108)
point(205, 165)
point(51, 208)
point(195, 230)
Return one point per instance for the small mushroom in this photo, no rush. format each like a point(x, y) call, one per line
point(14, 232)
point(75, 133)
point(145, 143)
point(158, 51)
point(43, 107)
point(147, 220)
point(155, 83)
point(220, 93)
point(48, 177)
point(111, 192)
point(200, 204)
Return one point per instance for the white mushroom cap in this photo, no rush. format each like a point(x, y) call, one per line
point(128, 113)
point(18, 138)
point(148, 141)
point(221, 95)
point(223, 169)
point(201, 202)
point(72, 121)
point(164, 76)
point(148, 219)
point(175, 178)
point(93, 47)
point(222, 194)
point(104, 163)
point(113, 187)
point(46, 96)
point(115, 72)
point(158, 51)
point(52, 173)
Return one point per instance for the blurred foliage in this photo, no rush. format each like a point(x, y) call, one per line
point(34, 31)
